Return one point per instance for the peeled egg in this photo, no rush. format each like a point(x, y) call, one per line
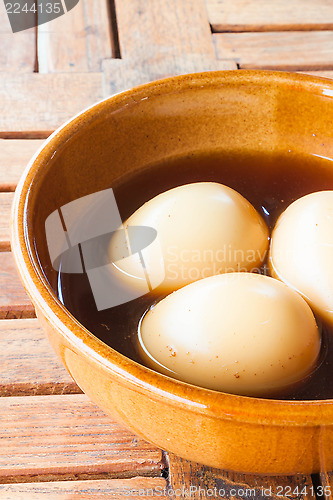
point(241, 333)
point(202, 229)
point(301, 253)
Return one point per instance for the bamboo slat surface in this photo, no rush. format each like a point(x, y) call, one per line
point(18, 51)
point(28, 366)
point(259, 15)
point(14, 156)
point(6, 200)
point(54, 443)
point(14, 302)
point(290, 50)
point(35, 104)
point(142, 487)
point(67, 435)
point(76, 42)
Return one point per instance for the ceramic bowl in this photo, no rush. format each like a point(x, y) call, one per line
point(240, 110)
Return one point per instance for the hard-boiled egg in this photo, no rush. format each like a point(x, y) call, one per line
point(202, 229)
point(301, 252)
point(240, 333)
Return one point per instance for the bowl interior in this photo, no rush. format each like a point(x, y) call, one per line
point(254, 112)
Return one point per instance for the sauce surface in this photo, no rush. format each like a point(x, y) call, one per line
point(270, 182)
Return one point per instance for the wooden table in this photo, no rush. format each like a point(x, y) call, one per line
point(54, 443)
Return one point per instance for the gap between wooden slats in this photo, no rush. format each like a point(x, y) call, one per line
point(68, 435)
point(260, 15)
point(294, 51)
point(28, 364)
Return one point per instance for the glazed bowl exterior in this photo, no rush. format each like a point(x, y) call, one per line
point(248, 111)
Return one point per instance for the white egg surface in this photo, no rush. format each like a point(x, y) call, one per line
point(240, 333)
point(203, 229)
point(301, 253)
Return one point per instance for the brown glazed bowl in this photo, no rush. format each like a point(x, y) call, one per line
point(231, 110)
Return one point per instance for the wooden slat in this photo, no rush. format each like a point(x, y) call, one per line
point(160, 28)
point(34, 105)
point(6, 200)
point(14, 301)
point(205, 482)
point(98, 32)
point(28, 365)
point(160, 38)
point(142, 487)
point(61, 43)
point(59, 435)
point(311, 50)
point(77, 41)
point(260, 15)
point(122, 76)
point(14, 156)
point(18, 50)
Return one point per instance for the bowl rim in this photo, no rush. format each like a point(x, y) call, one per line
point(128, 372)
